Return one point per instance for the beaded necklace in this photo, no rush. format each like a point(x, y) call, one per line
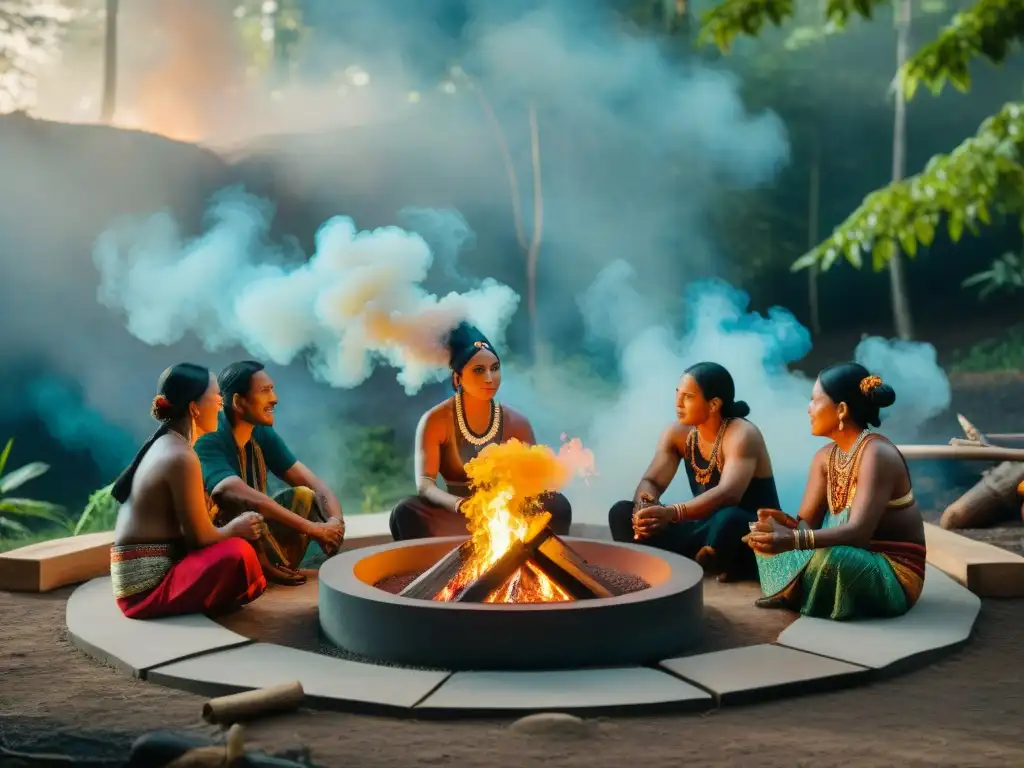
point(468, 436)
point(703, 474)
point(841, 469)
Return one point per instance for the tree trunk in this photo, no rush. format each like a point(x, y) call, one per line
point(897, 279)
point(533, 253)
point(813, 217)
point(110, 64)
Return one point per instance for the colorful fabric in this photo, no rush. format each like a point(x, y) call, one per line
point(282, 546)
point(220, 456)
point(136, 568)
point(211, 580)
point(843, 583)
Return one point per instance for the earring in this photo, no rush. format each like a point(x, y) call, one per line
point(841, 425)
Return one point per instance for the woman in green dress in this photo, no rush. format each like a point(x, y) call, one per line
point(856, 549)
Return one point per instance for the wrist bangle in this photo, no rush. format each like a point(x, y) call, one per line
point(810, 538)
point(680, 510)
point(797, 539)
point(458, 505)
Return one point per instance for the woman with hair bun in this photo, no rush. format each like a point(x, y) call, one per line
point(730, 474)
point(856, 548)
point(168, 558)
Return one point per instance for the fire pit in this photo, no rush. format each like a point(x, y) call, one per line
point(544, 603)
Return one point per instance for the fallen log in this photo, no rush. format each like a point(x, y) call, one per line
point(960, 452)
point(993, 499)
point(251, 704)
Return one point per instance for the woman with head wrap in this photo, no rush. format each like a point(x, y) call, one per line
point(168, 558)
point(856, 549)
point(451, 434)
point(729, 471)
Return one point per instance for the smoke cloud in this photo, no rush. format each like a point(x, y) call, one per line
point(635, 147)
point(358, 299)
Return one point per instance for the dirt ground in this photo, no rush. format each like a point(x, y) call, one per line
point(964, 711)
point(54, 698)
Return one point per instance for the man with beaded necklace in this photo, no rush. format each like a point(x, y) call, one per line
point(454, 432)
point(729, 472)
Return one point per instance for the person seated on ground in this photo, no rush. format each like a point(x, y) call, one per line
point(729, 471)
point(451, 434)
point(168, 558)
point(857, 547)
point(235, 460)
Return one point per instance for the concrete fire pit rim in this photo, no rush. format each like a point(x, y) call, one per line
point(337, 574)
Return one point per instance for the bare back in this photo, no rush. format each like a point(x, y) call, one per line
point(149, 513)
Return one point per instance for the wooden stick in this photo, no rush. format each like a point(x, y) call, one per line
point(514, 558)
point(251, 704)
point(960, 453)
point(567, 569)
point(429, 583)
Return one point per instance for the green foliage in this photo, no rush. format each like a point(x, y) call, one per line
point(982, 175)
point(725, 22)
point(988, 29)
point(995, 355)
point(99, 514)
point(378, 471)
point(12, 508)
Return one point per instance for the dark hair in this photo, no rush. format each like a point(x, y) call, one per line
point(236, 379)
point(463, 343)
point(178, 387)
point(864, 394)
point(715, 381)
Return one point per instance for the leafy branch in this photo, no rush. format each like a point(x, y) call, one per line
point(987, 29)
point(982, 175)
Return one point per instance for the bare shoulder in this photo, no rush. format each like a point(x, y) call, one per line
point(436, 421)
point(175, 459)
point(741, 433)
point(675, 436)
point(513, 417)
point(881, 452)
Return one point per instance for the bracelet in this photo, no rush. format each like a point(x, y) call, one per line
point(458, 506)
point(798, 537)
point(680, 510)
point(810, 536)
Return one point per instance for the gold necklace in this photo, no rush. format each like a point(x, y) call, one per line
point(841, 470)
point(460, 419)
point(703, 474)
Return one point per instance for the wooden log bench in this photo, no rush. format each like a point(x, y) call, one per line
point(986, 570)
point(49, 565)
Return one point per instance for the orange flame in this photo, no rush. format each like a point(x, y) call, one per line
point(507, 479)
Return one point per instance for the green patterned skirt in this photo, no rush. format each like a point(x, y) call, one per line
point(844, 583)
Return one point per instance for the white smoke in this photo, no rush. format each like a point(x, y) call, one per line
point(756, 349)
point(356, 302)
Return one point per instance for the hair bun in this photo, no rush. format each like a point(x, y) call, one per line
point(882, 396)
point(162, 409)
point(737, 410)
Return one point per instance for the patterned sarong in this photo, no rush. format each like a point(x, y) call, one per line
point(843, 583)
point(137, 568)
point(281, 546)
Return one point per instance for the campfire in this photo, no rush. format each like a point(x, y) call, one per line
point(512, 555)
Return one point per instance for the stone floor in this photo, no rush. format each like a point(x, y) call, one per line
point(747, 655)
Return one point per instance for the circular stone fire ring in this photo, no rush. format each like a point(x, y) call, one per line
point(635, 628)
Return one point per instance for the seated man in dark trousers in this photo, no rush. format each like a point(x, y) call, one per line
point(235, 460)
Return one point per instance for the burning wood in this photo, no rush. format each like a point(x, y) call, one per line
point(540, 565)
point(513, 556)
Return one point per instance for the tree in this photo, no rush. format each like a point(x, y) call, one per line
point(110, 62)
point(29, 36)
point(981, 176)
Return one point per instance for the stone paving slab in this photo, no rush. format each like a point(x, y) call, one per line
point(986, 570)
point(328, 682)
point(47, 565)
point(760, 672)
point(367, 530)
point(575, 691)
point(97, 627)
point(941, 621)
